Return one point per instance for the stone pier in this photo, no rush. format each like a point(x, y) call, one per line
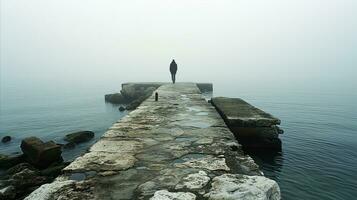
point(175, 148)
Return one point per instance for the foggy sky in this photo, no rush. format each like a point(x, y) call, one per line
point(240, 42)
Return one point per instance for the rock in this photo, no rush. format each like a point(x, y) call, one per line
point(78, 137)
point(102, 161)
point(121, 108)
point(18, 168)
point(47, 191)
point(10, 161)
point(207, 162)
point(194, 181)
point(41, 154)
point(166, 195)
point(69, 145)
point(8, 192)
point(27, 178)
point(131, 94)
point(6, 139)
point(237, 186)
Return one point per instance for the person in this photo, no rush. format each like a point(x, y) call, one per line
point(173, 70)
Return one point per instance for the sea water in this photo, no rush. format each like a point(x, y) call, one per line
point(319, 146)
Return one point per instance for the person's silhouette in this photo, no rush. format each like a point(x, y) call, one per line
point(173, 70)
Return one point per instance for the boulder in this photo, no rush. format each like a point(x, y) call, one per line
point(237, 186)
point(121, 108)
point(9, 161)
point(78, 137)
point(41, 154)
point(27, 178)
point(18, 168)
point(6, 139)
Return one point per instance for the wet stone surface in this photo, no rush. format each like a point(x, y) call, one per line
point(175, 148)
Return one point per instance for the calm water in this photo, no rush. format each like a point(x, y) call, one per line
point(319, 157)
point(51, 113)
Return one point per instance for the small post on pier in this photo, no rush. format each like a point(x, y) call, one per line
point(156, 96)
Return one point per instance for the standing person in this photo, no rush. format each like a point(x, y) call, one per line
point(173, 70)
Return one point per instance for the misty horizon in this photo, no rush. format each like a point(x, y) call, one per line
point(295, 44)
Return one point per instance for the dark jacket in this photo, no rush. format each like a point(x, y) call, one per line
point(173, 67)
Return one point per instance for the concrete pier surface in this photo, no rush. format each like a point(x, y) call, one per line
point(203, 87)
point(175, 148)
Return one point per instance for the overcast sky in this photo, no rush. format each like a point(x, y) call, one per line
point(260, 42)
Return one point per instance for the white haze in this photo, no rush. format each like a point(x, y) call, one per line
point(232, 43)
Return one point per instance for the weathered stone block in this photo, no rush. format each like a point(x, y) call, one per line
point(237, 112)
point(41, 154)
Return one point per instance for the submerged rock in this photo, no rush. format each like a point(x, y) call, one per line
point(6, 139)
point(69, 145)
point(41, 154)
point(78, 137)
point(121, 108)
point(237, 186)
